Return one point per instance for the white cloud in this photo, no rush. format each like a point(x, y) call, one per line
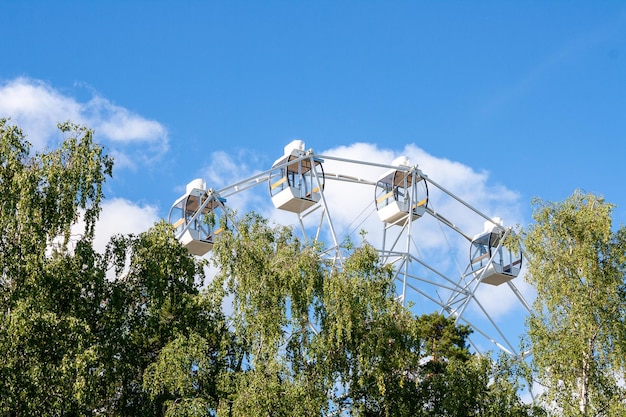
point(37, 107)
point(120, 216)
point(223, 169)
point(117, 217)
point(120, 125)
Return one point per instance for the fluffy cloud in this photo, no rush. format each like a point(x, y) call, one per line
point(121, 216)
point(118, 217)
point(37, 107)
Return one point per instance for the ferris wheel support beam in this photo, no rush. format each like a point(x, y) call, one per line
point(401, 257)
point(456, 286)
point(409, 228)
point(427, 296)
point(510, 350)
point(245, 184)
point(366, 163)
point(519, 296)
point(507, 349)
point(434, 283)
point(447, 222)
point(458, 199)
point(493, 323)
point(471, 295)
point(396, 240)
point(347, 178)
point(325, 214)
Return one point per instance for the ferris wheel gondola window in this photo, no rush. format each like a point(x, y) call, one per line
point(297, 181)
point(491, 260)
point(198, 218)
point(401, 194)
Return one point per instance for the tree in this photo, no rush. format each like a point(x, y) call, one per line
point(368, 342)
point(152, 306)
point(72, 340)
point(577, 262)
point(46, 300)
point(276, 284)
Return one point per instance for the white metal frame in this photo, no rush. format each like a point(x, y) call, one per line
point(417, 277)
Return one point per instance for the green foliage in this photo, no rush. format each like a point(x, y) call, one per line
point(49, 291)
point(136, 330)
point(153, 306)
point(275, 283)
point(310, 339)
point(185, 370)
point(72, 341)
point(577, 265)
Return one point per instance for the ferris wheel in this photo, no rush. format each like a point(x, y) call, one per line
point(441, 262)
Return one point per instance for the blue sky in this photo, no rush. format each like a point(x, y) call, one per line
point(531, 92)
point(500, 100)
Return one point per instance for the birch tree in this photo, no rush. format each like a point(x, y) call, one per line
point(577, 264)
